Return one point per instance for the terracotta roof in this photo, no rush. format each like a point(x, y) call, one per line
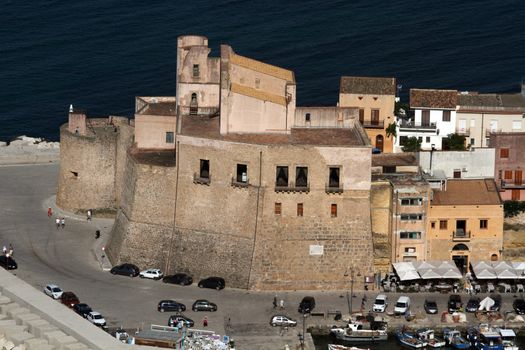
point(468, 192)
point(394, 159)
point(262, 67)
point(439, 99)
point(367, 85)
point(497, 101)
point(258, 94)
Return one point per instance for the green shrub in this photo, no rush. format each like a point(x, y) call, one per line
point(513, 208)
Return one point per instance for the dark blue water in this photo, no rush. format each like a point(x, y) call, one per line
point(99, 54)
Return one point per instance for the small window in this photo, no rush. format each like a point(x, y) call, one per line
point(508, 174)
point(301, 176)
point(500, 174)
point(362, 116)
point(169, 137)
point(472, 123)
point(307, 117)
point(281, 178)
point(257, 83)
point(516, 125)
point(472, 141)
point(411, 217)
point(483, 224)
point(196, 72)
point(242, 173)
point(391, 169)
point(443, 224)
point(204, 172)
point(457, 174)
point(427, 139)
point(410, 235)
point(333, 210)
point(420, 139)
point(277, 209)
point(446, 116)
point(504, 153)
point(410, 250)
point(299, 209)
point(411, 201)
point(375, 117)
point(433, 224)
point(333, 180)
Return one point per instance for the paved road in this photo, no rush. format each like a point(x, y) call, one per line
point(65, 257)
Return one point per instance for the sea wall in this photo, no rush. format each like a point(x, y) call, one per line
point(29, 150)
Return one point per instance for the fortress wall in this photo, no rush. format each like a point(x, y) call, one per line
point(125, 140)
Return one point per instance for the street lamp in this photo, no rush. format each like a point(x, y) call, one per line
point(302, 336)
point(349, 298)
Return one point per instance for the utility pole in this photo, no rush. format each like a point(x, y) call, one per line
point(302, 336)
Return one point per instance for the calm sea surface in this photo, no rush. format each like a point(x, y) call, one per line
point(99, 54)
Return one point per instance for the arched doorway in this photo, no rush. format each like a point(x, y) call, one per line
point(379, 142)
point(460, 256)
point(194, 105)
point(494, 257)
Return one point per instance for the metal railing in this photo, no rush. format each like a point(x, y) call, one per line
point(331, 188)
point(460, 234)
point(413, 125)
point(463, 131)
point(291, 187)
point(511, 184)
point(380, 124)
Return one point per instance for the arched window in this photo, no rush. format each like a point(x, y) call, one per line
point(460, 246)
point(494, 257)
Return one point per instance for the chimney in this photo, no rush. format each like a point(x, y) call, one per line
point(77, 121)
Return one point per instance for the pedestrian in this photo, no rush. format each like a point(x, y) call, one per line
point(205, 321)
point(281, 304)
point(89, 215)
point(49, 212)
point(11, 249)
point(275, 302)
point(4, 249)
point(57, 221)
point(63, 222)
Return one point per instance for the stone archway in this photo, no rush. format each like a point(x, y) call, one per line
point(460, 256)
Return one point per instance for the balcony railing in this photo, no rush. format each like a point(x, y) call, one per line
point(489, 131)
point(417, 126)
point(291, 187)
point(463, 131)
point(332, 188)
point(236, 183)
point(379, 124)
point(512, 184)
point(197, 179)
point(460, 235)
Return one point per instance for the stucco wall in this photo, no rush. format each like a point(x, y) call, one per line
point(478, 163)
point(151, 131)
point(477, 124)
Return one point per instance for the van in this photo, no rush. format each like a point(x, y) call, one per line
point(306, 305)
point(402, 306)
point(380, 303)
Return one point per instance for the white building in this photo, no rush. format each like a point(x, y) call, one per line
point(473, 164)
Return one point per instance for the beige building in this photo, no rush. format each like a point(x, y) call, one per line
point(375, 99)
point(465, 222)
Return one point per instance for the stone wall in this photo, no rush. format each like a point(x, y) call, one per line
point(381, 212)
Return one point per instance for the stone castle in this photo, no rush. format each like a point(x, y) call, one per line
point(228, 178)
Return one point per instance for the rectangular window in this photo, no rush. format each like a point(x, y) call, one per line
point(204, 172)
point(433, 224)
point(410, 235)
point(446, 116)
point(242, 173)
point(333, 177)
point(301, 176)
point(508, 174)
point(504, 153)
point(169, 137)
point(516, 125)
point(472, 123)
point(425, 118)
point(277, 209)
point(375, 116)
point(472, 141)
point(443, 224)
point(427, 139)
point(411, 217)
point(333, 210)
point(457, 174)
point(483, 224)
point(362, 116)
point(281, 177)
point(196, 72)
point(299, 209)
point(307, 117)
point(411, 201)
point(420, 139)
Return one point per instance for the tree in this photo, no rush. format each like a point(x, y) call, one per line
point(412, 144)
point(456, 142)
point(391, 130)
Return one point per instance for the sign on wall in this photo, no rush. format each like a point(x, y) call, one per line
point(316, 249)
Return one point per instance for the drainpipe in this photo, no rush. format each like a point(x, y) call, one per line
point(482, 128)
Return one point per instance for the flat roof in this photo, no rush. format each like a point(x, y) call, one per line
point(395, 159)
point(468, 192)
point(160, 108)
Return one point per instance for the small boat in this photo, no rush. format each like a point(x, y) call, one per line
point(454, 339)
point(409, 339)
point(358, 332)
point(342, 347)
point(485, 337)
point(427, 335)
point(508, 338)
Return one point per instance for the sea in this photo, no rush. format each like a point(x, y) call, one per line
point(99, 54)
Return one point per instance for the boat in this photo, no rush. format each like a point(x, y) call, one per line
point(508, 338)
point(409, 339)
point(359, 332)
point(485, 337)
point(342, 347)
point(454, 339)
point(427, 335)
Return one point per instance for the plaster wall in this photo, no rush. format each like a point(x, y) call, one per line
point(477, 125)
point(477, 163)
point(151, 131)
point(252, 115)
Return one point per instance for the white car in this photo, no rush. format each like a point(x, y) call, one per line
point(380, 303)
point(284, 321)
point(53, 291)
point(96, 318)
point(154, 274)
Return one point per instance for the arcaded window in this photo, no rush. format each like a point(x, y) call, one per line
point(281, 177)
point(196, 71)
point(242, 173)
point(204, 169)
point(169, 137)
point(301, 176)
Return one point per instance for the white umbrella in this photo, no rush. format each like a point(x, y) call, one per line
point(408, 275)
point(423, 265)
point(507, 274)
point(502, 265)
point(480, 265)
point(518, 265)
point(429, 274)
point(486, 304)
point(446, 265)
point(403, 266)
point(485, 274)
point(449, 273)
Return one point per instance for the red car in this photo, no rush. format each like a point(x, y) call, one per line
point(69, 299)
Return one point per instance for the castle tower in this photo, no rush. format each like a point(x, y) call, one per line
point(77, 121)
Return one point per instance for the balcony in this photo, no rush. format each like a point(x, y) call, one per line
point(236, 183)
point(333, 188)
point(412, 126)
point(373, 124)
point(489, 131)
point(511, 184)
point(201, 180)
point(292, 188)
point(463, 131)
point(460, 235)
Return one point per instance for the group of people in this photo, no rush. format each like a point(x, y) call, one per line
point(60, 222)
point(8, 252)
point(280, 303)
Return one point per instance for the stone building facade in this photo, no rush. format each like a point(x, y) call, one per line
point(230, 178)
point(510, 162)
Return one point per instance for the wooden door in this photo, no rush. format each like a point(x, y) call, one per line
point(517, 177)
point(379, 142)
point(515, 195)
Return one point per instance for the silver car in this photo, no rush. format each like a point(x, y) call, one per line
point(284, 321)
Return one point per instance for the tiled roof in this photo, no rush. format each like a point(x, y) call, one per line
point(468, 192)
point(367, 86)
point(258, 94)
point(438, 99)
point(262, 67)
point(497, 101)
point(394, 159)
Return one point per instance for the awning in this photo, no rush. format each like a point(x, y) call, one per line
point(485, 274)
point(449, 273)
point(502, 265)
point(486, 304)
point(507, 274)
point(408, 275)
point(423, 265)
point(507, 332)
point(429, 274)
point(403, 266)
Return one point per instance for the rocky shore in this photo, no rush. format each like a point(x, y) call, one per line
point(29, 150)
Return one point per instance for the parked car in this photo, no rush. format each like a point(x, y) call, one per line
point(170, 305)
point(178, 278)
point(53, 291)
point(280, 320)
point(96, 318)
point(174, 320)
point(472, 304)
point(497, 302)
point(154, 274)
point(69, 299)
point(125, 270)
point(213, 283)
point(203, 305)
point(431, 307)
point(82, 309)
point(8, 262)
point(454, 303)
point(380, 303)
point(519, 306)
point(402, 305)
point(306, 305)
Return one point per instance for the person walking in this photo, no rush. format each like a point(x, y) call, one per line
point(11, 250)
point(49, 212)
point(57, 221)
point(205, 321)
point(281, 304)
point(63, 222)
point(89, 215)
point(4, 249)
point(275, 302)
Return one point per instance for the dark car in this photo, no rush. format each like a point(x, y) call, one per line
point(213, 283)
point(203, 305)
point(125, 270)
point(82, 309)
point(472, 305)
point(170, 305)
point(8, 262)
point(519, 306)
point(497, 302)
point(306, 305)
point(174, 320)
point(454, 303)
point(431, 307)
point(178, 278)
point(69, 299)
